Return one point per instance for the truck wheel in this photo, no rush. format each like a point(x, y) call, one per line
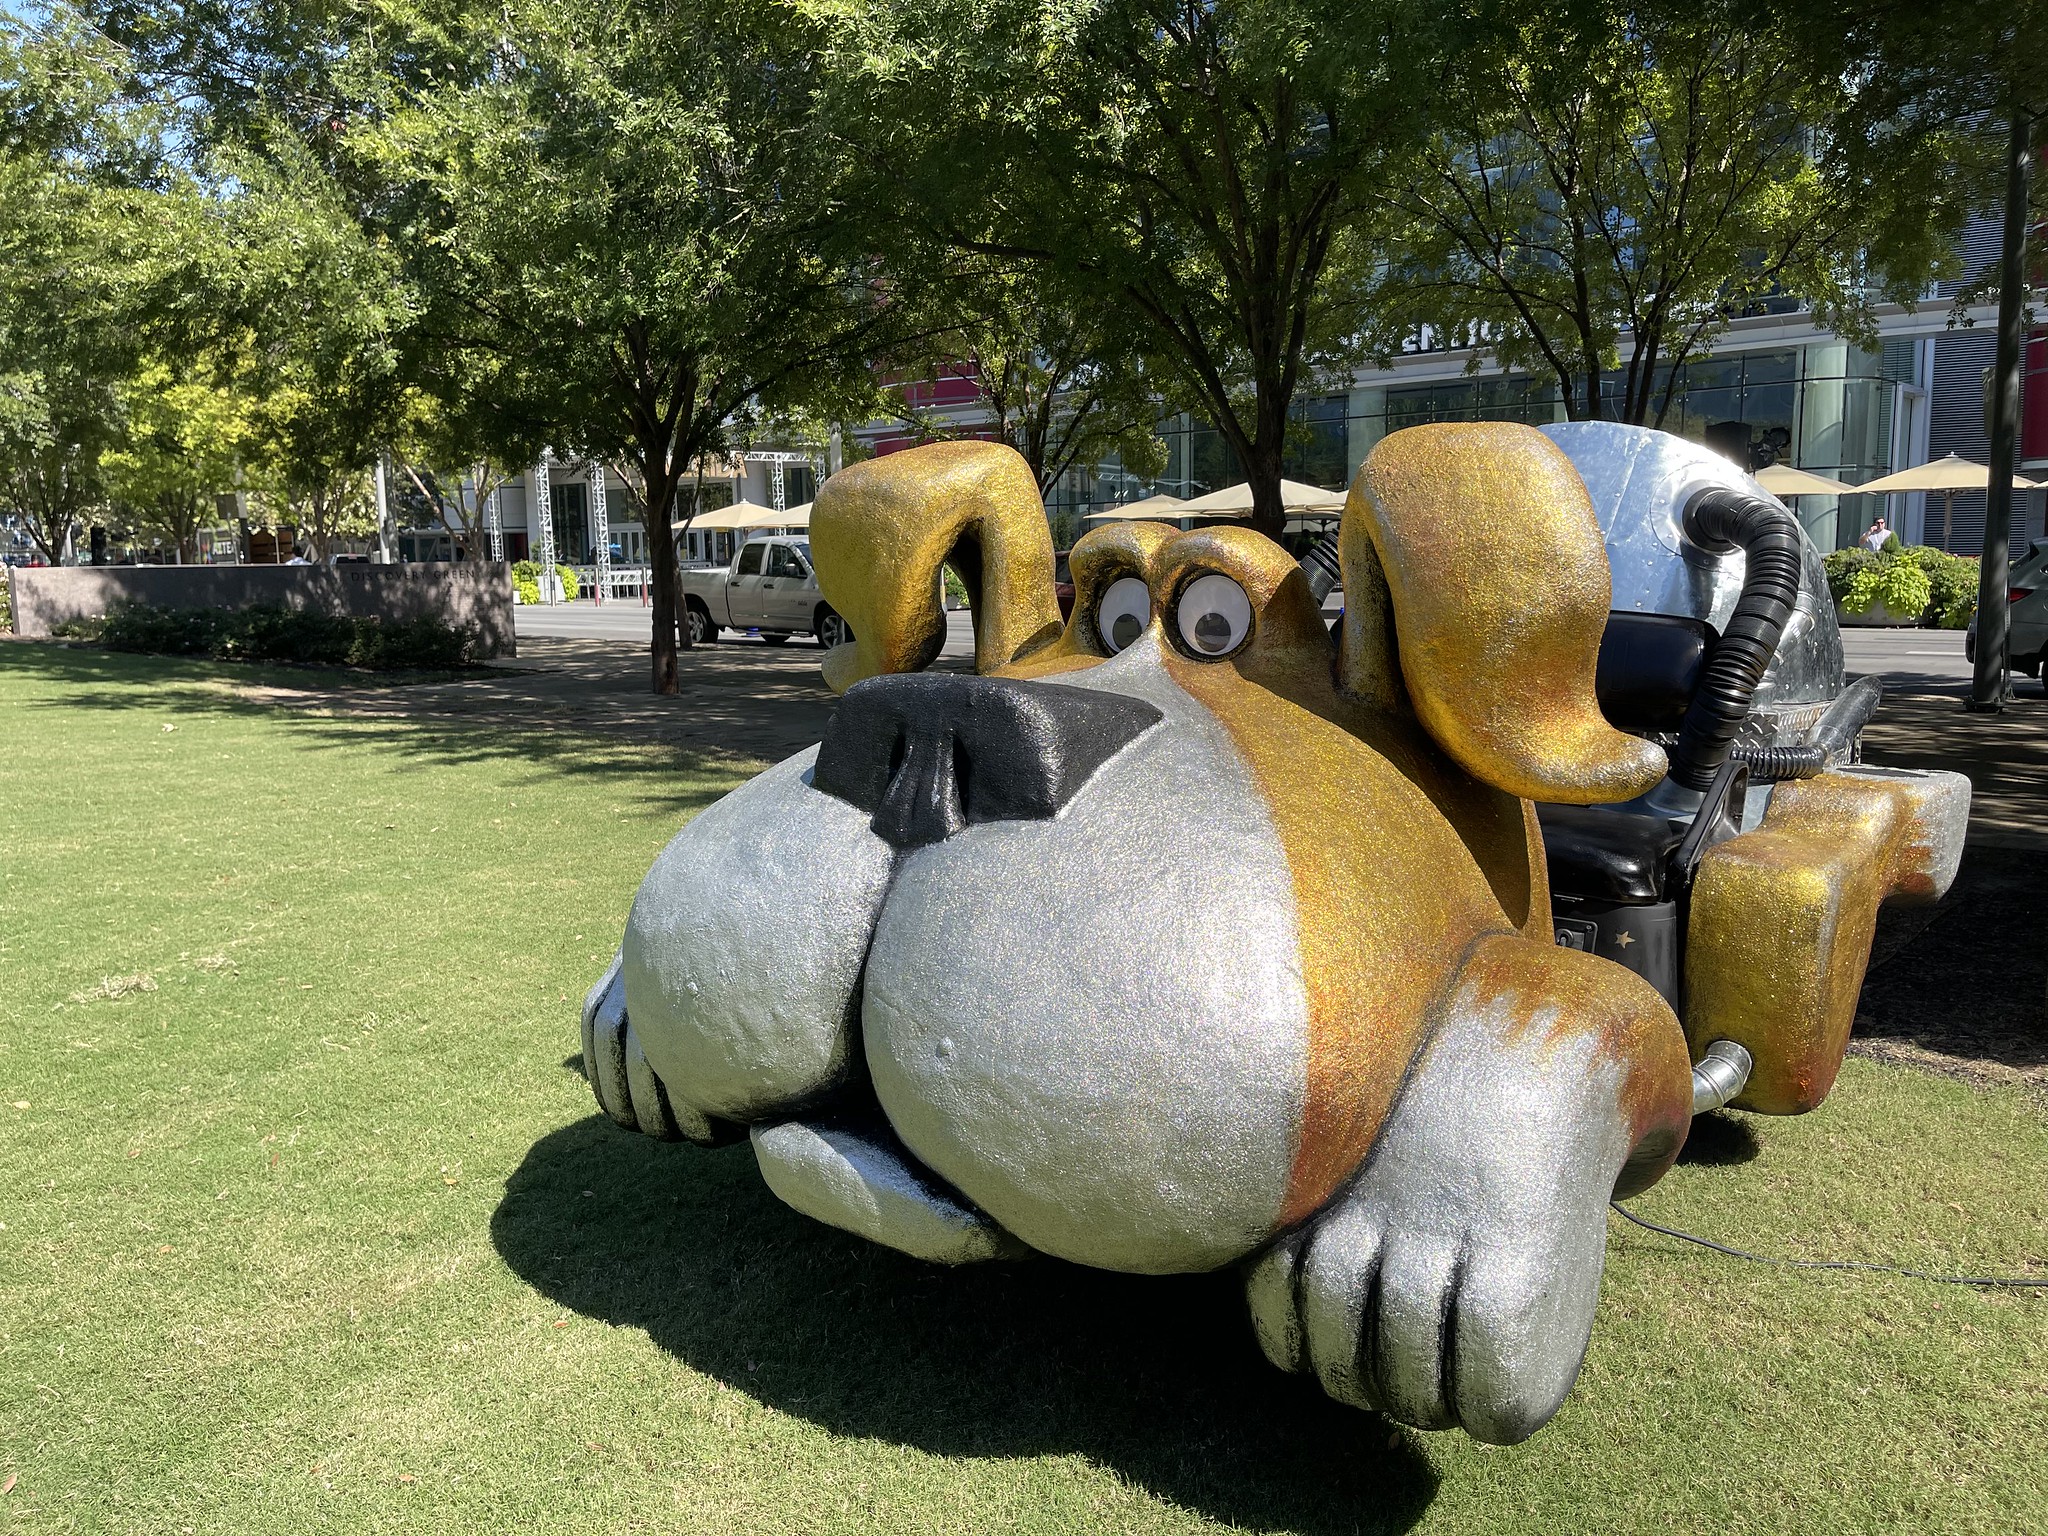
point(832, 630)
point(769, 637)
point(702, 630)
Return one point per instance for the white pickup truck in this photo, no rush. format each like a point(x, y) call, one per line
point(770, 586)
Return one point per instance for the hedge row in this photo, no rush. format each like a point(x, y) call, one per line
point(282, 634)
point(526, 581)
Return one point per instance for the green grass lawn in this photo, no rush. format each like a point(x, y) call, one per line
point(310, 1224)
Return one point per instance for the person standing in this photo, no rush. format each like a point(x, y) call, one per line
point(1874, 536)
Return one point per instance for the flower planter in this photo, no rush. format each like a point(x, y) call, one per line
point(1878, 617)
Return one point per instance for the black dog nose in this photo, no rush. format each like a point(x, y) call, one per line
point(930, 753)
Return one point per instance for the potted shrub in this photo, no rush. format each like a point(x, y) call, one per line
point(1902, 584)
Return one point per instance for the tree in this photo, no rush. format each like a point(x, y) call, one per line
point(88, 211)
point(1973, 69)
point(310, 311)
point(455, 456)
point(628, 230)
point(1210, 173)
point(1065, 390)
point(182, 445)
point(1611, 192)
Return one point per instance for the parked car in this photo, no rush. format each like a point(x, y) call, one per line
point(1063, 584)
point(2027, 613)
point(770, 586)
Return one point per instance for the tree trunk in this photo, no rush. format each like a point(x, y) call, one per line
point(1989, 688)
point(316, 528)
point(1269, 510)
point(50, 536)
point(662, 584)
point(1263, 463)
point(47, 514)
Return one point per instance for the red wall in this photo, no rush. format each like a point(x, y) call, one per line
point(956, 385)
point(2034, 398)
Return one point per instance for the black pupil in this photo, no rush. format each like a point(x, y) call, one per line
point(1212, 631)
point(1125, 628)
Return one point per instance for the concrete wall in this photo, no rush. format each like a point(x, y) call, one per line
point(469, 592)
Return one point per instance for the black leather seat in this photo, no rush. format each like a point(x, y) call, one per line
point(1649, 666)
point(1607, 856)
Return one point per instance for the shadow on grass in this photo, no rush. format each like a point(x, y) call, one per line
point(1967, 979)
point(1157, 1378)
point(1719, 1140)
point(385, 713)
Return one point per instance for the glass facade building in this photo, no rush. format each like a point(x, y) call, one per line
point(1825, 405)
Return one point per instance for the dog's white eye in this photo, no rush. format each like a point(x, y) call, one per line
point(1123, 613)
point(1214, 614)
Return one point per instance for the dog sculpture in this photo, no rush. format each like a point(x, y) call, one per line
point(1184, 936)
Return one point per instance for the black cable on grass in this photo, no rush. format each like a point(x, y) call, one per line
point(1882, 1269)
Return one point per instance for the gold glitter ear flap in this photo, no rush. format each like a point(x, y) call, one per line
point(880, 532)
point(1499, 586)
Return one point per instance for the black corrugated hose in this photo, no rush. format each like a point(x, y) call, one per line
point(1321, 566)
point(1722, 519)
point(1772, 765)
point(1832, 740)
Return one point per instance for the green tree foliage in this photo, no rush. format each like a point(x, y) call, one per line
point(1968, 70)
point(321, 311)
point(91, 220)
point(168, 298)
point(1064, 388)
point(625, 227)
point(1209, 176)
point(182, 445)
point(455, 452)
point(1612, 191)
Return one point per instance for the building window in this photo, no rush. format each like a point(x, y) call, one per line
point(570, 507)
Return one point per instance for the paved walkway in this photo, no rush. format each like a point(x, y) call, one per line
point(1923, 724)
point(743, 701)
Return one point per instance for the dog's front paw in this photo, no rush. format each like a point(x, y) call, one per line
point(1433, 1320)
point(1454, 1281)
point(626, 1086)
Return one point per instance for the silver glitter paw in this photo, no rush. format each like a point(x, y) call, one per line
point(1454, 1282)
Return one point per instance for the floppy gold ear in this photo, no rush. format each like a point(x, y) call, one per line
point(1482, 536)
point(881, 530)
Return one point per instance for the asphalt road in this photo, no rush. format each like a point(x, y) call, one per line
point(1928, 657)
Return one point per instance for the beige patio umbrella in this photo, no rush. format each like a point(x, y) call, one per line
point(1236, 500)
point(1947, 475)
point(1168, 507)
point(741, 514)
point(788, 517)
point(1783, 480)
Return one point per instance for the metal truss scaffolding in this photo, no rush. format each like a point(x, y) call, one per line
point(600, 530)
point(541, 519)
